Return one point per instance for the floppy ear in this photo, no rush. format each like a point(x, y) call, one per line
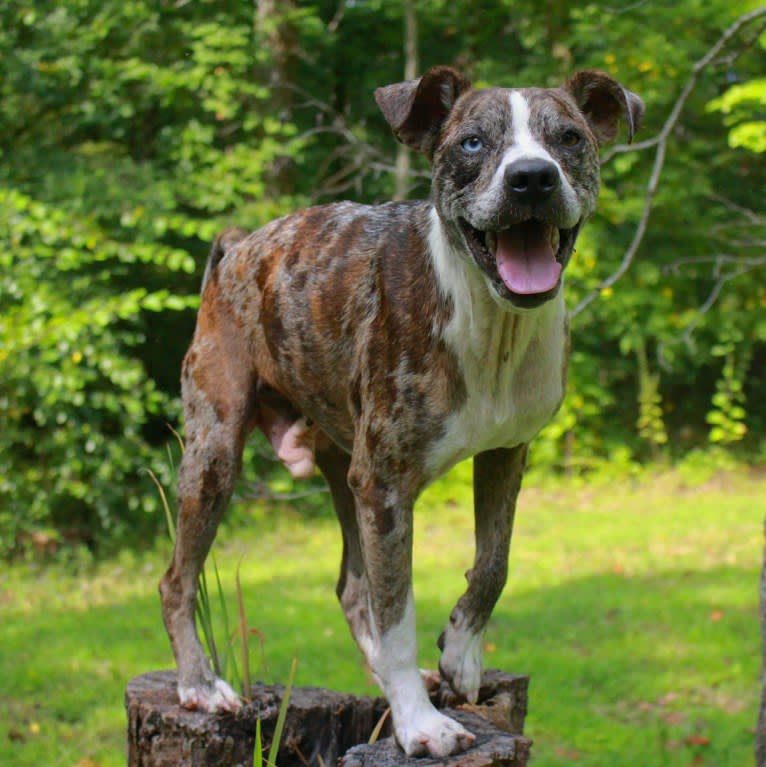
point(604, 101)
point(416, 109)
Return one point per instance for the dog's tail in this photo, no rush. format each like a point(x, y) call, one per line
point(223, 243)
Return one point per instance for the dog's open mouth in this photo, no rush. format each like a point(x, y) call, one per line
point(525, 259)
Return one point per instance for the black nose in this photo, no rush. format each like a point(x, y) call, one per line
point(531, 181)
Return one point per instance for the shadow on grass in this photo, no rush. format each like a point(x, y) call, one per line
point(658, 670)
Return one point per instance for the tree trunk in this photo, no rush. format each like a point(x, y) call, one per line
point(321, 727)
point(274, 28)
point(760, 734)
point(403, 154)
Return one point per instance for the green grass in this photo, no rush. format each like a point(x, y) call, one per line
point(632, 605)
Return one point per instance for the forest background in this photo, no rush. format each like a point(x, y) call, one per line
point(133, 131)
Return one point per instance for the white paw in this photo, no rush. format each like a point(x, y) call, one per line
point(212, 698)
point(432, 733)
point(461, 660)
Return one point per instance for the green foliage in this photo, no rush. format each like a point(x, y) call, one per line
point(728, 415)
point(133, 131)
point(75, 399)
point(650, 423)
point(741, 103)
point(130, 134)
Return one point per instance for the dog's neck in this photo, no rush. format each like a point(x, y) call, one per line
point(512, 361)
point(481, 325)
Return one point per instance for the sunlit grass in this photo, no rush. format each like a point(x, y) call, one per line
point(633, 606)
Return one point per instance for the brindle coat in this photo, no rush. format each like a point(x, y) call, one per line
point(382, 341)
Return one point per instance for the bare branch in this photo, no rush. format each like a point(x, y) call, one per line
point(752, 216)
point(638, 146)
point(688, 332)
point(728, 34)
point(260, 491)
point(628, 9)
point(728, 61)
point(638, 237)
point(725, 267)
point(660, 142)
point(338, 17)
point(718, 260)
point(359, 156)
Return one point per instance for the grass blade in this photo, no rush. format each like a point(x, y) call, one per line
point(225, 616)
point(165, 504)
point(378, 727)
point(171, 466)
point(244, 636)
point(205, 620)
point(228, 658)
point(258, 747)
point(274, 747)
point(178, 437)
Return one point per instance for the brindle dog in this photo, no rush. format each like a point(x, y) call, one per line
point(387, 343)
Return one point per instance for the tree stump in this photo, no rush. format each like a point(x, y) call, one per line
point(321, 727)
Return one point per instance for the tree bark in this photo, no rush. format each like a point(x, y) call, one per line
point(492, 748)
point(274, 28)
point(321, 727)
point(403, 154)
point(760, 733)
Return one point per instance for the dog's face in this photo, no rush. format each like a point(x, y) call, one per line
point(518, 172)
point(515, 172)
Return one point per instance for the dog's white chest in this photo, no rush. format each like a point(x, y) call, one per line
point(511, 392)
point(513, 366)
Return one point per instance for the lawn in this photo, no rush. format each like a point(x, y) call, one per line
point(633, 606)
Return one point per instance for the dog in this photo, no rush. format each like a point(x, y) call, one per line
point(383, 344)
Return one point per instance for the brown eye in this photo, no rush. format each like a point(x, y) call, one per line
point(570, 138)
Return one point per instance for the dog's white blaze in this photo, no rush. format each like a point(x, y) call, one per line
point(512, 361)
point(525, 146)
point(393, 657)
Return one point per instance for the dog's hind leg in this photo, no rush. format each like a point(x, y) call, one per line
point(496, 480)
point(352, 588)
point(218, 394)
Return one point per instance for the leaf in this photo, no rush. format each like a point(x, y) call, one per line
point(697, 740)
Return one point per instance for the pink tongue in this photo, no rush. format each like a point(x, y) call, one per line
point(525, 259)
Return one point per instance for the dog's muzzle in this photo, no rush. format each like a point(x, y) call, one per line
point(524, 258)
point(524, 261)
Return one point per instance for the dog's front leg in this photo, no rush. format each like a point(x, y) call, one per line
point(496, 483)
point(385, 528)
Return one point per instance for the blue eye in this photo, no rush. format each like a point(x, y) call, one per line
point(472, 145)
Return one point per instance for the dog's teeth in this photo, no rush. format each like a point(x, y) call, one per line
point(491, 239)
point(555, 239)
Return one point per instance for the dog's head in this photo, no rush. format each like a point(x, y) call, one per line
point(515, 171)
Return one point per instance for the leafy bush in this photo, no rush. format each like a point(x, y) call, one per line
point(131, 132)
point(76, 400)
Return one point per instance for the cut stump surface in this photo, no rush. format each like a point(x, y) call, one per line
point(322, 726)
